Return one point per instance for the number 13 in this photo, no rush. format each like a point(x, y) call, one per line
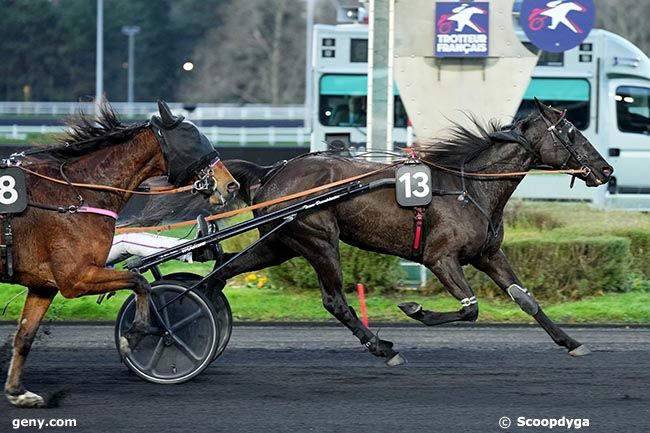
point(422, 184)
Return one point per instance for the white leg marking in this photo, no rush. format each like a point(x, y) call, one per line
point(124, 346)
point(26, 399)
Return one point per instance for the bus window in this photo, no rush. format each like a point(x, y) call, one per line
point(343, 101)
point(569, 94)
point(633, 109)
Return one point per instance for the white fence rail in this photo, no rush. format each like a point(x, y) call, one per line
point(219, 136)
point(145, 109)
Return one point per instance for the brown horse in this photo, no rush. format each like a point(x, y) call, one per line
point(462, 225)
point(62, 239)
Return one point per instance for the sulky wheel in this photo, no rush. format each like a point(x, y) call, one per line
point(220, 304)
point(183, 339)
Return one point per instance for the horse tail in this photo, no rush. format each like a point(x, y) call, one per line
point(251, 176)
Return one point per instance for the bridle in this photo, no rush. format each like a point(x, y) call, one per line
point(560, 131)
point(206, 184)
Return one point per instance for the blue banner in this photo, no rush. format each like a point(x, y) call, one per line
point(462, 29)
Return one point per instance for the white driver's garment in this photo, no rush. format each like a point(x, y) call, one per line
point(143, 244)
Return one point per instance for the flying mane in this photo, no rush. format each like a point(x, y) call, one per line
point(87, 133)
point(466, 143)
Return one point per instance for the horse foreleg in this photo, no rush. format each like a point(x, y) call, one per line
point(97, 280)
point(35, 307)
point(450, 274)
point(498, 268)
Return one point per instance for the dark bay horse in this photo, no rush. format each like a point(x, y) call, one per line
point(62, 238)
point(462, 225)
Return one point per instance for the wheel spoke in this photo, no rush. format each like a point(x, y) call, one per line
point(155, 356)
point(164, 317)
point(186, 321)
point(185, 349)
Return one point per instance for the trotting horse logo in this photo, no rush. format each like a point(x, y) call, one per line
point(462, 29)
point(557, 25)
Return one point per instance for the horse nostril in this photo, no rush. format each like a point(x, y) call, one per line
point(232, 187)
point(607, 171)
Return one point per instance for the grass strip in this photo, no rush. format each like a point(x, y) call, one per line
point(252, 304)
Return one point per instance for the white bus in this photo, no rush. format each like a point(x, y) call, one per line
point(604, 84)
point(340, 77)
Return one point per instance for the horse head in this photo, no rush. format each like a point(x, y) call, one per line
point(190, 155)
point(560, 145)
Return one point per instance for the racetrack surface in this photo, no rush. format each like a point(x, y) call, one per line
point(318, 379)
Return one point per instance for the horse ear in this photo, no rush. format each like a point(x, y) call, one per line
point(166, 115)
point(541, 107)
point(544, 110)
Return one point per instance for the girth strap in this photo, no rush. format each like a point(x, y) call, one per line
point(419, 221)
point(6, 250)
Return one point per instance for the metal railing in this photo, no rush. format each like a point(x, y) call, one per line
point(220, 136)
point(146, 109)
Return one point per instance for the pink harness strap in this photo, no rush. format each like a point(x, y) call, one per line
point(98, 211)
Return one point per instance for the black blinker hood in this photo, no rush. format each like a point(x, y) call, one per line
point(186, 149)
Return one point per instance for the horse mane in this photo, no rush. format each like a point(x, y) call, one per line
point(465, 143)
point(87, 133)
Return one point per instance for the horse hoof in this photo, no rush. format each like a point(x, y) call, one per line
point(581, 350)
point(26, 399)
point(125, 350)
point(396, 360)
point(410, 308)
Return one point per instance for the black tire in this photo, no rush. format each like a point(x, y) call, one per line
point(220, 304)
point(176, 357)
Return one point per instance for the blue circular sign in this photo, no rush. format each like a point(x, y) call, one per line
point(557, 25)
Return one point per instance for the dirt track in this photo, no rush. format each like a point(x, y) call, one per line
point(317, 379)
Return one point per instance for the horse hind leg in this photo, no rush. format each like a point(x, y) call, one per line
point(323, 256)
point(450, 274)
point(337, 306)
point(35, 307)
point(97, 280)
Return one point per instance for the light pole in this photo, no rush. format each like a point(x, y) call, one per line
point(131, 31)
point(309, 85)
point(99, 52)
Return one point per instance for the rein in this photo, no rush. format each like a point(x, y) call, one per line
point(151, 190)
point(258, 205)
point(506, 174)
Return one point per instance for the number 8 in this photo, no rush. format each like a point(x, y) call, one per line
point(7, 184)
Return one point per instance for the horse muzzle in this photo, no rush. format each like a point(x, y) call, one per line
point(598, 176)
point(217, 195)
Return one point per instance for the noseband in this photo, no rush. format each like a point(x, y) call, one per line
point(560, 131)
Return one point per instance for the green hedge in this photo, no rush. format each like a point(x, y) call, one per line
point(559, 268)
point(557, 265)
point(571, 268)
point(375, 271)
point(639, 249)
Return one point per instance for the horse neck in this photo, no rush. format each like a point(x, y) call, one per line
point(493, 194)
point(123, 166)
